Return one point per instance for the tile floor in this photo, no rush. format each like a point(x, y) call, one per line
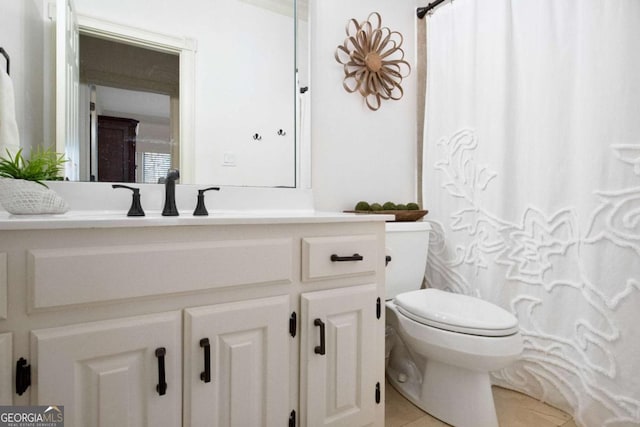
point(514, 410)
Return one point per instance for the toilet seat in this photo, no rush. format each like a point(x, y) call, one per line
point(456, 313)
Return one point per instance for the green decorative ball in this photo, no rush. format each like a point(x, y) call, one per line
point(401, 207)
point(363, 206)
point(389, 206)
point(376, 207)
point(413, 207)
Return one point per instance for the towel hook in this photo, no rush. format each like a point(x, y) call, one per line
point(6, 56)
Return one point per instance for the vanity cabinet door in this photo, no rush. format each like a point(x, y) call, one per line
point(110, 373)
point(338, 357)
point(6, 388)
point(237, 364)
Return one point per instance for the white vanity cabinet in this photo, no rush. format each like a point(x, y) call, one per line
point(232, 314)
point(6, 389)
point(342, 334)
point(338, 356)
point(130, 372)
point(236, 370)
point(124, 372)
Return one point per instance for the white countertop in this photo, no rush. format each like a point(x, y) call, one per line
point(118, 219)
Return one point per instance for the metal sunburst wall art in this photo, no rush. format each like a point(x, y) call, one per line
point(373, 61)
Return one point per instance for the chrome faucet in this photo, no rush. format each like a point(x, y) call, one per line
point(170, 193)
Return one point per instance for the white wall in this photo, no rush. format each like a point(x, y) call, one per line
point(22, 36)
point(359, 154)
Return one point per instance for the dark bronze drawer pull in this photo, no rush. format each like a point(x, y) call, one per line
point(354, 257)
point(206, 374)
point(161, 388)
point(320, 349)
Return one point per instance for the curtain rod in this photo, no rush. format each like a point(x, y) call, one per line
point(422, 11)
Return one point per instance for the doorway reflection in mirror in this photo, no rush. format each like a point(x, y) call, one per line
point(131, 132)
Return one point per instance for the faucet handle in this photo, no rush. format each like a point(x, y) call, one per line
point(136, 207)
point(201, 209)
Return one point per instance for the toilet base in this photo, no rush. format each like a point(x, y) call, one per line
point(457, 396)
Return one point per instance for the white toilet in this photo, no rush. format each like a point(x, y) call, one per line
point(442, 345)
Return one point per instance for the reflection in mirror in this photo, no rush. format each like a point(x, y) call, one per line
point(240, 80)
point(131, 129)
point(137, 121)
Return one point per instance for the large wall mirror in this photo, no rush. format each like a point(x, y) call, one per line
point(216, 89)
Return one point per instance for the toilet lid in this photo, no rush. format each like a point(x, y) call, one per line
point(456, 313)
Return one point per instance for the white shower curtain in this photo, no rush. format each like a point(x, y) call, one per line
point(532, 179)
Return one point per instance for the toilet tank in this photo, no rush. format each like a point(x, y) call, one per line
point(408, 244)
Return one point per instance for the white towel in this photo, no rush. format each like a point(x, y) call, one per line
point(9, 137)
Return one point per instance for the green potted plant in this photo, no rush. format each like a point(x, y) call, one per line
point(22, 190)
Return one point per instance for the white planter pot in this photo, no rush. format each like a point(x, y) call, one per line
point(20, 197)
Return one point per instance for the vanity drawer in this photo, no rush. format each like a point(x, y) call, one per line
point(338, 256)
point(71, 276)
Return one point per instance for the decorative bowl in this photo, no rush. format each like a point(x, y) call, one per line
point(401, 215)
point(21, 197)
